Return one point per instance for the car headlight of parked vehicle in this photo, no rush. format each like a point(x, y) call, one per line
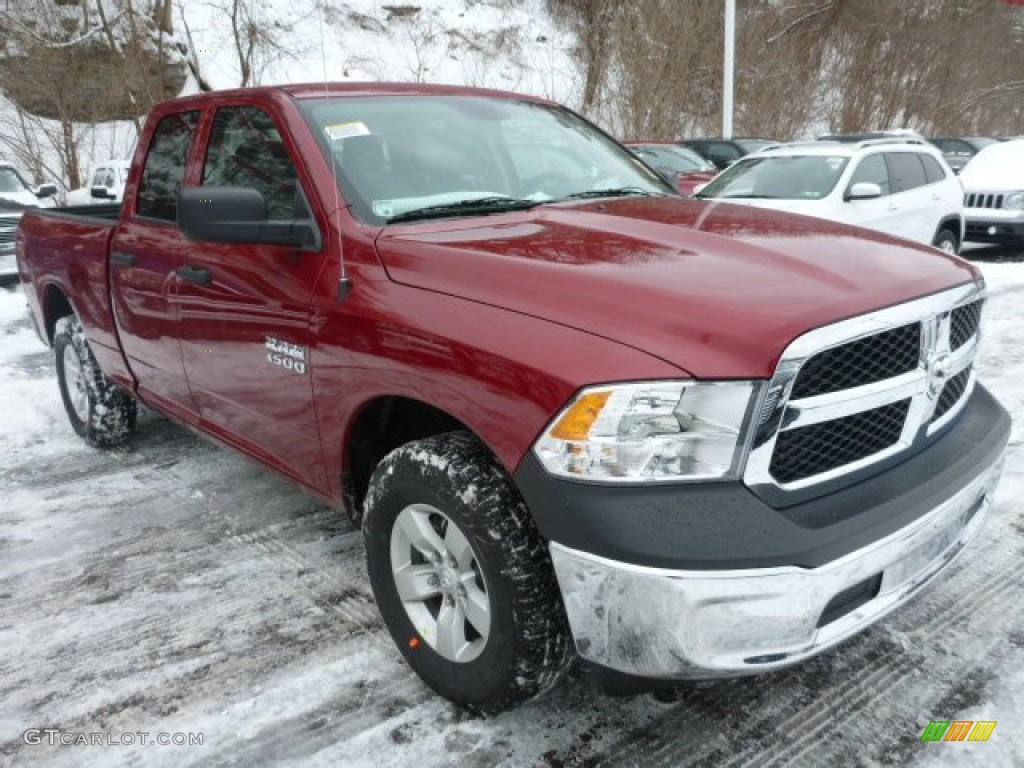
point(658, 431)
point(1014, 201)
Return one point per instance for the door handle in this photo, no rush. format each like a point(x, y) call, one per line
point(196, 275)
point(122, 259)
point(892, 208)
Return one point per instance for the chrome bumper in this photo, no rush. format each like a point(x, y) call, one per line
point(659, 623)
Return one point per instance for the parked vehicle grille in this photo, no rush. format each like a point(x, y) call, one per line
point(953, 390)
point(983, 200)
point(864, 361)
point(848, 396)
point(810, 451)
point(964, 324)
point(8, 231)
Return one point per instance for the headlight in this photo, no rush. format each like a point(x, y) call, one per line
point(1014, 201)
point(659, 431)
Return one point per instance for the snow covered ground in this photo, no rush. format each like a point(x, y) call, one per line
point(172, 587)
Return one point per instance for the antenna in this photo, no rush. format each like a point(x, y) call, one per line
point(344, 285)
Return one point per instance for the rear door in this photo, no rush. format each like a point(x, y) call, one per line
point(245, 309)
point(918, 216)
point(146, 254)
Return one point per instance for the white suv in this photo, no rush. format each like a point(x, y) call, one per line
point(902, 187)
point(994, 194)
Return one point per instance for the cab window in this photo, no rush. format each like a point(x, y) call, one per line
point(165, 166)
point(246, 150)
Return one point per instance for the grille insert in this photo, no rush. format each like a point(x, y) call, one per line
point(808, 451)
point(963, 324)
point(860, 362)
point(951, 393)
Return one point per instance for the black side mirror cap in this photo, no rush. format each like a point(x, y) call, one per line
point(239, 215)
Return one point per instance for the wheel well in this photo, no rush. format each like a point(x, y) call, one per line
point(953, 225)
point(383, 425)
point(55, 306)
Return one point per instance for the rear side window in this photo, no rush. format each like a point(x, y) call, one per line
point(246, 151)
point(165, 166)
point(872, 169)
point(905, 171)
point(932, 170)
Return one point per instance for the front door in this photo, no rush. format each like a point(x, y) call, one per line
point(245, 310)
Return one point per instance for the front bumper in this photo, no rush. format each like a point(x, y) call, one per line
point(698, 624)
point(993, 226)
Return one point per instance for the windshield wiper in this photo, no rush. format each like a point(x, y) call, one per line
point(475, 207)
point(593, 194)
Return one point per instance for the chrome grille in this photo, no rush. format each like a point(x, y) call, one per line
point(983, 200)
point(850, 395)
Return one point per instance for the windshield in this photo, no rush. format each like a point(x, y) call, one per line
point(10, 181)
point(800, 177)
point(395, 156)
point(676, 159)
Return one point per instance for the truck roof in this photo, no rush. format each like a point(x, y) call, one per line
point(327, 89)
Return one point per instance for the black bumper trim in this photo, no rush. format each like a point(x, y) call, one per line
point(718, 526)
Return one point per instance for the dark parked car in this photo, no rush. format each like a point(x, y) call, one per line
point(958, 151)
point(725, 152)
point(681, 167)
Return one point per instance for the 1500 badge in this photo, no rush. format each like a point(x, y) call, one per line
point(291, 357)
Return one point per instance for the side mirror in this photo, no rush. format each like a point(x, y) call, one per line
point(863, 190)
point(100, 193)
point(238, 215)
point(46, 190)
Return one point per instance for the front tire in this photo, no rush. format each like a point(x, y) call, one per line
point(947, 242)
point(461, 577)
point(99, 412)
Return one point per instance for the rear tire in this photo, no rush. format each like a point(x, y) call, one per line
point(99, 412)
point(480, 618)
point(947, 242)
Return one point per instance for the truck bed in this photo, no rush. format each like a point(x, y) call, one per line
point(104, 212)
point(65, 253)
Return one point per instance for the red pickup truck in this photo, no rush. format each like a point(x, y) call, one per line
point(575, 414)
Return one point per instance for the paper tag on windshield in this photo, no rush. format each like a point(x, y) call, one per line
point(384, 208)
point(346, 130)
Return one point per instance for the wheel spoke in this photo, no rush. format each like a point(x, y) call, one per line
point(451, 630)
point(478, 608)
point(416, 527)
point(74, 381)
point(458, 547)
point(416, 582)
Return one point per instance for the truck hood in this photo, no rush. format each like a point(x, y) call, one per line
point(716, 290)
